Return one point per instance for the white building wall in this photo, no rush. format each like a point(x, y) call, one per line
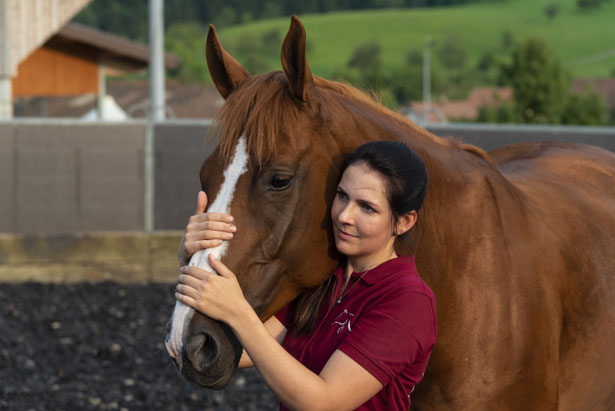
point(24, 26)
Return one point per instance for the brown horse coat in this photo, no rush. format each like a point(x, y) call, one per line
point(518, 244)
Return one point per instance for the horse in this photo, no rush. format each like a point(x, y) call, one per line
point(518, 244)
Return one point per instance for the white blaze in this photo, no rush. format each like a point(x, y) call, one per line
point(183, 313)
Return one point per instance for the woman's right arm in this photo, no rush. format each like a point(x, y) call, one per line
point(276, 329)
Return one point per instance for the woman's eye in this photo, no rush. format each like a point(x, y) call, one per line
point(281, 182)
point(341, 194)
point(367, 208)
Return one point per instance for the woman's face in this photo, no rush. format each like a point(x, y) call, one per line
point(361, 215)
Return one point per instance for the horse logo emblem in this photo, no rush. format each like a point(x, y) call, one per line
point(345, 316)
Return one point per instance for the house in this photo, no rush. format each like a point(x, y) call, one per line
point(70, 60)
point(467, 109)
point(24, 26)
point(75, 62)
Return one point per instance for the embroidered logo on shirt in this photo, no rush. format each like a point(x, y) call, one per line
point(343, 322)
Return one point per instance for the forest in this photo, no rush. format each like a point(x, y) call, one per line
point(121, 17)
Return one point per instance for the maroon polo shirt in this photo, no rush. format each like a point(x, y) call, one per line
point(386, 322)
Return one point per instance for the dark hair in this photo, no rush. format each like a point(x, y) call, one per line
point(405, 176)
point(402, 169)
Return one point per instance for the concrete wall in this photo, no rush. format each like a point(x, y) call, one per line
point(180, 150)
point(130, 257)
point(490, 136)
point(63, 178)
point(67, 176)
point(72, 194)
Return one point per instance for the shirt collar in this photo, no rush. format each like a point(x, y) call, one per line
point(384, 270)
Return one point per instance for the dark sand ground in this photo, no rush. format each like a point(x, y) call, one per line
point(100, 347)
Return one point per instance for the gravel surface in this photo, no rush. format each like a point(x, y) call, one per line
point(100, 347)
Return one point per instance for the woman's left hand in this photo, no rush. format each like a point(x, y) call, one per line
point(218, 296)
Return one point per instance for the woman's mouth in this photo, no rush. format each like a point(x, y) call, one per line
point(344, 235)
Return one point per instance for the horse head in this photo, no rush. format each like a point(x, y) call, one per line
point(275, 170)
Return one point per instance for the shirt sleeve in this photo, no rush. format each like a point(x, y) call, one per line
point(392, 334)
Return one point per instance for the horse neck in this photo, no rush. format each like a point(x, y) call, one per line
point(446, 162)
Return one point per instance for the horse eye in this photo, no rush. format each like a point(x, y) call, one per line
point(281, 182)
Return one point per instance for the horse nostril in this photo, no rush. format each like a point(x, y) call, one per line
point(202, 351)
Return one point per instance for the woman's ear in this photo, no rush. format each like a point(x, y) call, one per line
point(405, 222)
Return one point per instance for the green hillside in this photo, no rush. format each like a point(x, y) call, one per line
point(479, 27)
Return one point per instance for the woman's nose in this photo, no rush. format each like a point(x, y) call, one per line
point(345, 215)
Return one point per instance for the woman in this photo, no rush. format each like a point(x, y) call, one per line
point(369, 331)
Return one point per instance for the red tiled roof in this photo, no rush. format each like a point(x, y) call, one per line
point(468, 108)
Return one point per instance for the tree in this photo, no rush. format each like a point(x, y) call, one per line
point(541, 89)
point(539, 82)
point(187, 41)
point(451, 53)
point(366, 59)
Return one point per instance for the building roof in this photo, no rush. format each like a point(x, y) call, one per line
point(468, 108)
point(116, 50)
point(182, 100)
point(605, 87)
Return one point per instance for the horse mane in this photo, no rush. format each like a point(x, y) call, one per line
point(261, 108)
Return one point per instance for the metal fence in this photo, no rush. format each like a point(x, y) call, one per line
point(64, 176)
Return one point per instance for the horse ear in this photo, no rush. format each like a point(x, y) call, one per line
point(294, 61)
point(225, 71)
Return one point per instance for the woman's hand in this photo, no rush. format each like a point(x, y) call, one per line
point(204, 230)
point(218, 296)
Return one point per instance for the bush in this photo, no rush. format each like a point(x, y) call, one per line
point(588, 108)
point(451, 53)
point(505, 113)
point(551, 10)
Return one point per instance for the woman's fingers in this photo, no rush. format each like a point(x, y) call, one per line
point(187, 291)
point(188, 280)
point(213, 216)
point(208, 235)
point(185, 299)
point(196, 272)
point(212, 226)
point(220, 267)
point(201, 202)
point(204, 244)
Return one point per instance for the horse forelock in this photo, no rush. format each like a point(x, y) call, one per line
point(261, 110)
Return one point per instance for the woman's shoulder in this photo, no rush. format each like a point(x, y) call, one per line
point(404, 278)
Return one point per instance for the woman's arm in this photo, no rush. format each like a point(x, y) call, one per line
point(342, 384)
point(276, 329)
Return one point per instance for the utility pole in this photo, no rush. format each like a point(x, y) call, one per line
point(426, 81)
point(6, 90)
point(157, 106)
point(156, 64)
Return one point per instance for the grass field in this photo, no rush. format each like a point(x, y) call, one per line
point(332, 37)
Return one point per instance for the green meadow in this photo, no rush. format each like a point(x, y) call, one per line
point(576, 37)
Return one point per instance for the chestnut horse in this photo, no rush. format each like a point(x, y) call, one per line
point(517, 244)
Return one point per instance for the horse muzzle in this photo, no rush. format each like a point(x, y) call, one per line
point(209, 354)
